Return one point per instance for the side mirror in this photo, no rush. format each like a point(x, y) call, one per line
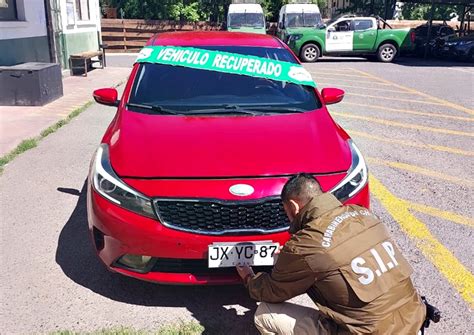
point(321, 26)
point(106, 96)
point(332, 95)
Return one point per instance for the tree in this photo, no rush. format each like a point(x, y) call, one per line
point(413, 11)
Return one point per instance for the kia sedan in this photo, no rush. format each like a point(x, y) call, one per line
point(186, 181)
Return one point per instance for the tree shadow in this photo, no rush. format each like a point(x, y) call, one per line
point(430, 62)
point(210, 305)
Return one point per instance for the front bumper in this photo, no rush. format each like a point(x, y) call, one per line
point(178, 257)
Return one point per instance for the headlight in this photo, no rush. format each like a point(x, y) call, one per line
point(294, 37)
point(109, 185)
point(356, 177)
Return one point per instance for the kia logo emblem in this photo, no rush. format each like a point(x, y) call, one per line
point(241, 190)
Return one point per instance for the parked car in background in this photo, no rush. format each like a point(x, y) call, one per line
point(438, 32)
point(459, 48)
point(246, 17)
point(349, 36)
point(295, 16)
point(185, 172)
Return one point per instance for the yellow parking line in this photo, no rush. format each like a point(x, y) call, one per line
point(354, 81)
point(450, 216)
point(338, 69)
point(438, 100)
point(396, 99)
point(460, 118)
point(364, 87)
point(448, 265)
point(337, 74)
point(422, 171)
point(411, 143)
point(402, 125)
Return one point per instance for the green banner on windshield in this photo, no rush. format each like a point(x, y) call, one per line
point(226, 62)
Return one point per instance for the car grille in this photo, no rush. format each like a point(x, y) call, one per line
point(216, 217)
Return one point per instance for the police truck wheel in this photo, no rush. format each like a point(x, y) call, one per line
point(310, 53)
point(387, 53)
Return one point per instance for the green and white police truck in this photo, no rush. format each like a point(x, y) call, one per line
point(349, 36)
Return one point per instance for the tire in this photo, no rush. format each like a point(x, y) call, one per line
point(387, 53)
point(310, 53)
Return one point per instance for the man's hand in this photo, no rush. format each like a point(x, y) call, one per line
point(245, 272)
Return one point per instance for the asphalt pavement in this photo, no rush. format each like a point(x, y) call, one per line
point(412, 121)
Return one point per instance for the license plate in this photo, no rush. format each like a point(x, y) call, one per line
point(446, 48)
point(223, 255)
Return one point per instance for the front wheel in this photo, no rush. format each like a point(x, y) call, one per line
point(310, 53)
point(386, 53)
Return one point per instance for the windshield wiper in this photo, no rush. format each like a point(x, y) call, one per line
point(155, 108)
point(278, 109)
point(224, 109)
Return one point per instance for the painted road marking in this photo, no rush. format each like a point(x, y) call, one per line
point(396, 99)
point(450, 216)
point(364, 87)
point(353, 81)
point(422, 171)
point(403, 125)
point(438, 100)
point(337, 74)
point(411, 143)
point(453, 117)
point(448, 265)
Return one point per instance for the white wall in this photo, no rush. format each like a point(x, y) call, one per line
point(92, 25)
point(32, 21)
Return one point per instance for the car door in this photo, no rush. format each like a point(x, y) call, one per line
point(339, 36)
point(365, 34)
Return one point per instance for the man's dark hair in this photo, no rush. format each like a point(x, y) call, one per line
point(302, 187)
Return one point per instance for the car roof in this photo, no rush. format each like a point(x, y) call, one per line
point(214, 38)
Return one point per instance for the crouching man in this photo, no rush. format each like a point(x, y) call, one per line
point(344, 258)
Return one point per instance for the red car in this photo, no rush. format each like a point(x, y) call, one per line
point(196, 158)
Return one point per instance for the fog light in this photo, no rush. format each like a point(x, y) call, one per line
point(135, 262)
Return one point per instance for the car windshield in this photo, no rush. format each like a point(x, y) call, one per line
point(178, 89)
point(255, 20)
point(294, 20)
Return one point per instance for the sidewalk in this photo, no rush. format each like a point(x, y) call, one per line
point(20, 123)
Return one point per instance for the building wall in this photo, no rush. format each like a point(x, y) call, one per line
point(25, 40)
point(77, 35)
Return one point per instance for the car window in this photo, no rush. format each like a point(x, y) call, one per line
point(362, 24)
point(186, 89)
point(446, 31)
point(303, 19)
point(343, 25)
point(255, 20)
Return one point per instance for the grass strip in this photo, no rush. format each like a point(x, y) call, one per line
point(30, 143)
point(190, 328)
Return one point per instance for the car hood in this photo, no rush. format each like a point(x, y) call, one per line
point(160, 146)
